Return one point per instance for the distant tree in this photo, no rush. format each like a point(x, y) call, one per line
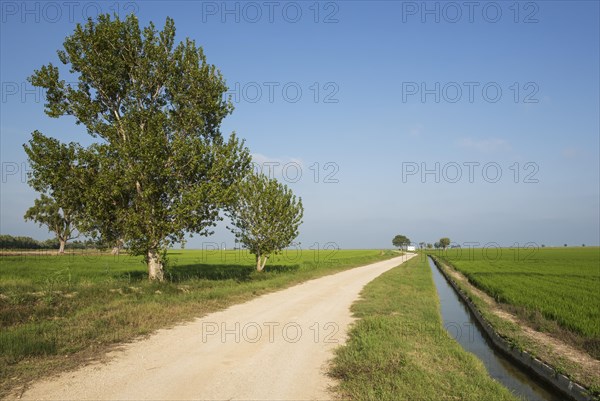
point(421, 245)
point(51, 243)
point(429, 245)
point(11, 242)
point(583, 245)
point(444, 242)
point(565, 244)
point(265, 216)
point(400, 241)
point(77, 244)
point(543, 246)
point(56, 172)
point(437, 245)
point(47, 212)
point(92, 243)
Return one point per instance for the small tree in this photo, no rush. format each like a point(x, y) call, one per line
point(46, 211)
point(265, 216)
point(400, 241)
point(421, 245)
point(444, 242)
point(429, 245)
point(58, 173)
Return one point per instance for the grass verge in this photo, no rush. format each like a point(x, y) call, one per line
point(399, 349)
point(57, 312)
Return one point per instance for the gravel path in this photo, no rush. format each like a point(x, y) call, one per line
point(275, 347)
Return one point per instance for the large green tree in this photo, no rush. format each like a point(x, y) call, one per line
point(265, 216)
point(162, 167)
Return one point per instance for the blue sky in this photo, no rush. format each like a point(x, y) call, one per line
point(350, 101)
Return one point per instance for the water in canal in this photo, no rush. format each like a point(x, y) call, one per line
point(461, 324)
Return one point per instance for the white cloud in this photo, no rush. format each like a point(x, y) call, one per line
point(484, 145)
point(275, 167)
point(416, 130)
point(261, 159)
point(570, 153)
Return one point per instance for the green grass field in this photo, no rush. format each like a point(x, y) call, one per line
point(560, 284)
point(57, 311)
point(399, 349)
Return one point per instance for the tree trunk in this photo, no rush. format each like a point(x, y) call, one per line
point(61, 248)
point(117, 248)
point(155, 266)
point(261, 261)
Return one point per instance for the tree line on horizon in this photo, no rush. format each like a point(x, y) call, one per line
point(23, 242)
point(402, 241)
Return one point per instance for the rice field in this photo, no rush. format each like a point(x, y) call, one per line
point(561, 284)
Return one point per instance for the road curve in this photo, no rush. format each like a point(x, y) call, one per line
point(274, 347)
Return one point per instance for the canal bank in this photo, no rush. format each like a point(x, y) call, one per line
point(516, 369)
point(399, 349)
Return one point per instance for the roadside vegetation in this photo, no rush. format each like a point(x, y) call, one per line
point(399, 349)
point(57, 312)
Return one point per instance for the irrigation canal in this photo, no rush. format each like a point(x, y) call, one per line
point(461, 324)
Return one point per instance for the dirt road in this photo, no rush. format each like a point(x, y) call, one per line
point(275, 347)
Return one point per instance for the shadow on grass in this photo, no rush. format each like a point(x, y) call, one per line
point(281, 268)
point(201, 271)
